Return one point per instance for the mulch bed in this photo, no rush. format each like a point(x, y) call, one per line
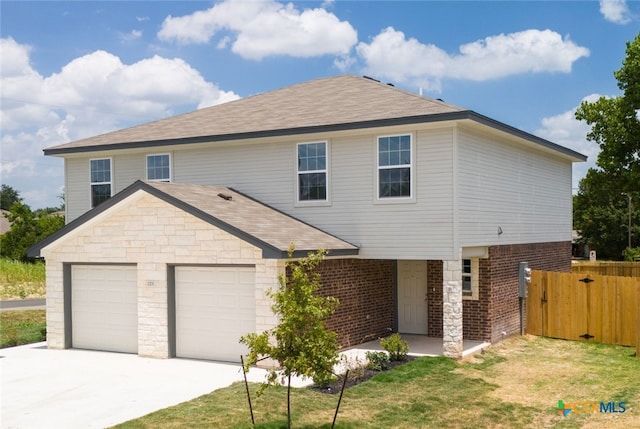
point(335, 387)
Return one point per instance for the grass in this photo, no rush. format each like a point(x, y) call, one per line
point(19, 280)
point(515, 384)
point(22, 327)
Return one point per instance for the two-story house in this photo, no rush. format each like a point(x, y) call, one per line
point(178, 227)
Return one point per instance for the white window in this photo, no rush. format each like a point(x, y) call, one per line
point(466, 275)
point(100, 181)
point(312, 171)
point(394, 167)
point(159, 168)
point(470, 278)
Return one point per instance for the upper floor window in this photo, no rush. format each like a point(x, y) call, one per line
point(159, 168)
point(100, 181)
point(312, 171)
point(394, 166)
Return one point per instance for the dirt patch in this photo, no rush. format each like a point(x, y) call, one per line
point(26, 290)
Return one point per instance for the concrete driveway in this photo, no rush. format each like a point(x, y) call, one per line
point(42, 388)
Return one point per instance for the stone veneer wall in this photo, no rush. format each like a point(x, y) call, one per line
point(365, 289)
point(147, 231)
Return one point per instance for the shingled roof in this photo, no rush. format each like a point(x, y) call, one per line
point(230, 211)
point(338, 103)
point(341, 100)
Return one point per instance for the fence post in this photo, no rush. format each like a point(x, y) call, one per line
point(638, 324)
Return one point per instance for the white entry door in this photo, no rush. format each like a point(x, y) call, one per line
point(412, 297)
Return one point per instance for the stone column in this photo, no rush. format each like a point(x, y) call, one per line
point(452, 308)
point(153, 321)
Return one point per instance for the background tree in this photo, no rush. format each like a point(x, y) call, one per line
point(26, 230)
point(300, 343)
point(601, 205)
point(8, 196)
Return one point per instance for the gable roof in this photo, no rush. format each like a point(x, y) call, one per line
point(329, 104)
point(230, 211)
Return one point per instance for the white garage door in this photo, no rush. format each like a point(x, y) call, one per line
point(104, 307)
point(215, 306)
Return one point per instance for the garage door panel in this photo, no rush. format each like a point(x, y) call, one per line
point(104, 309)
point(215, 306)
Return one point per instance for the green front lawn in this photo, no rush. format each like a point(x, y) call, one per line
point(19, 280)
point(515, 384)
point(22, 327)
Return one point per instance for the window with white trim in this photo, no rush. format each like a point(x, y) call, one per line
point(394, 166)
point(470, 278)
point(100, 181)
point(159, 168)
point(312, 171)
point(466, 275)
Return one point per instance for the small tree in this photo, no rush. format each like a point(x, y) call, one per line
point(300, 343)
point(26, 230)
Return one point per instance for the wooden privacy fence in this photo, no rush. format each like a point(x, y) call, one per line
point(578, 306)
point(625, 269)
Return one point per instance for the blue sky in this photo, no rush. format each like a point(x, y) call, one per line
point(74, 69)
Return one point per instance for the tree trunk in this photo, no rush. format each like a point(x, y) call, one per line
point(289, 402)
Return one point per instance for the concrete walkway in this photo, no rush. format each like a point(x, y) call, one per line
point(42, 388)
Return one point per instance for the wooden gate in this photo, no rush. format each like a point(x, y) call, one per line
point(578, 306)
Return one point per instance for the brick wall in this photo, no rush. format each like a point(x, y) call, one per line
point(504, 313)
point(365, 290)
point(476, 323)
point(497, 308)
point(434, 298)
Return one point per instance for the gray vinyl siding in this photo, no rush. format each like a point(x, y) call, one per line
point(262, 171)
point(127, 169)
point(457, 204)
point(525, 192)
point(267, 172)
point(77, 187)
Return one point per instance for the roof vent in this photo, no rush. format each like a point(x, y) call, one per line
point(370, 78)
point(390, 84)
point(225, 196)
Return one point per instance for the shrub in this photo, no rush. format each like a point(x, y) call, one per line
point(355, 366)
point(631, 254)
point(378, 361)
point(395, 346)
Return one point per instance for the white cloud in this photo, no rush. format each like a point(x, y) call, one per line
point(131, 36)
point(391, 55)
point(615, 11)
point(565, 130)
point(264, 28)
point(90, 95)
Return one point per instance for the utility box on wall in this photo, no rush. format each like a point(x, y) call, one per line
point(524, 278)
